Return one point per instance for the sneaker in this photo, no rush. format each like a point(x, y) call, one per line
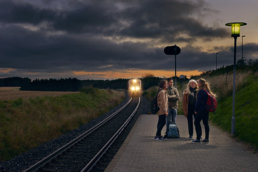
point(156, 137)
point(165, 137)
point(190, 137)
point(205, 140)
point(161, 138)
point(196, 141)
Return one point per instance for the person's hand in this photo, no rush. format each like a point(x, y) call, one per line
point(166, 114)
point(195, 113)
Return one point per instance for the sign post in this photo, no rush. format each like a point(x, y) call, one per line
point(172, 50)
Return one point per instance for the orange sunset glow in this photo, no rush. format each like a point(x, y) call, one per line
point(135, 73)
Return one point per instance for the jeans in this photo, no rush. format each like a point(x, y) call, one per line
point(190, 122)
point(204, 116)
point(161, 123)
point(171, 118)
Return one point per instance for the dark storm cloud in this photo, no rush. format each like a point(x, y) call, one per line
point(38, 52)
point(35, 50)
point(12, 12)
point(140, 19)
point(250, 50)
point(167, 19)
point(84, 18)
point(67, 35)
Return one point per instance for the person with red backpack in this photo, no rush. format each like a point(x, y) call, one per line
point(205, 103)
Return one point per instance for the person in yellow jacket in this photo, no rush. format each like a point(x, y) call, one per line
point(189, 101)
point(162, 100)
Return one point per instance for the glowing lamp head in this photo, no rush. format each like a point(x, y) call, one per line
point(235, 28)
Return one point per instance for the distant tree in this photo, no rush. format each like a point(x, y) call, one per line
point(14, 82)
point(150, 81)
point(70, 84)
point(241, 62)
point(148, 75)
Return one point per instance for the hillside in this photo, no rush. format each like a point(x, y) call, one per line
point(246, 110)
point(221, 82)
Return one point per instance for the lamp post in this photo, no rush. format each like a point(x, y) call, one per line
point(243, 47)
point(235, 29)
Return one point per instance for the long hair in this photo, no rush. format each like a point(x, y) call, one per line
point(162, 84)
point(206, 86)
point(187, 90)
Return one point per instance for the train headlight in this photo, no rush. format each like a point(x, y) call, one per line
point(137, 88)
point(133, 88)
point(134, 81)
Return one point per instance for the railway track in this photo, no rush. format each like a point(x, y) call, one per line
point(85, 151)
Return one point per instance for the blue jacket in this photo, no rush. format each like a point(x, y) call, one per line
point(202, 97)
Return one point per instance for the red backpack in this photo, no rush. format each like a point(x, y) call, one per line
point(211, 102)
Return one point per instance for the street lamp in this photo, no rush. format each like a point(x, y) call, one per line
point(235, 32)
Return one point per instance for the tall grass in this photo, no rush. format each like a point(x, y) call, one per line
point(151, 92)
point(223, 84)
point(11, 93)
point(26, 123)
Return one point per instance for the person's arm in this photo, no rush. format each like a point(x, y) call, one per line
point(175, 96)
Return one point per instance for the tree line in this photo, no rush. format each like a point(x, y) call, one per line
point(69, 84)
point(73, 84)
point(14, 82)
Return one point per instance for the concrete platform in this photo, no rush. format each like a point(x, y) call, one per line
point(140, 152)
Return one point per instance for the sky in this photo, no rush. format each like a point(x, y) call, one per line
point(108, 39)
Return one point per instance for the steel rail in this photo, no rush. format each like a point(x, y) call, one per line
point(109, 143)
point(70, 144)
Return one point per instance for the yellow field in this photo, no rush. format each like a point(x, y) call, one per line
point(10, 93)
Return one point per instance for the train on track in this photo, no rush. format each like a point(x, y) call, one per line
point(135, 87)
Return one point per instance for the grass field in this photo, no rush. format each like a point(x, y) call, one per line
point(10, 93)
point(28, 122)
